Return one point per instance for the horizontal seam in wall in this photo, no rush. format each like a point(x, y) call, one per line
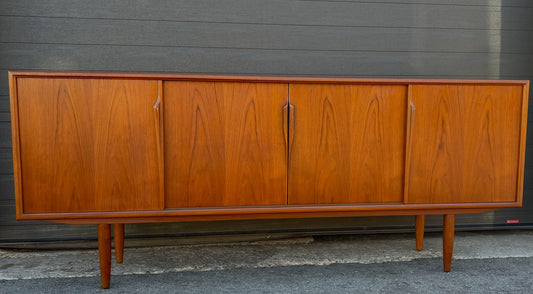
point(263, 24)
point(477, 76)
point(268, 49)
point(415, 3)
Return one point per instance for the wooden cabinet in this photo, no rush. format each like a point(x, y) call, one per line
point(115, 148)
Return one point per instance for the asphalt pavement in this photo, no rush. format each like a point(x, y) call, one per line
point(484, 262)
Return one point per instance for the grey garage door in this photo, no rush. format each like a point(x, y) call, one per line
point(389, 38)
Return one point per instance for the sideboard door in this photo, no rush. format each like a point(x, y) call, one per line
point(225, 144)
point(349, 143)
point(464, 143)
point(87, 145)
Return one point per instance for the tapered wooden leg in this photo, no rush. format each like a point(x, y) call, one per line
point(118, 235)
point(420, 222)
point(447, 241)
point(104, 250)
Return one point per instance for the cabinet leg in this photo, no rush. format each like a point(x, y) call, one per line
point(447, 241)
point(104, 251)
point(420, 222)
point(118, 234)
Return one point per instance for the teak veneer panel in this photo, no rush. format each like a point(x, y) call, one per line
point(224, 144)
point(349, 143)
point(87, 145)
point(465, 143)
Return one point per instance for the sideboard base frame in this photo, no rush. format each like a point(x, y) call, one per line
point(280, 212)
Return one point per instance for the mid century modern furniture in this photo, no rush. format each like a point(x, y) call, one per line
point(116, 148)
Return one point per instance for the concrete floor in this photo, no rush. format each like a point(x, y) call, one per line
point(484, 262)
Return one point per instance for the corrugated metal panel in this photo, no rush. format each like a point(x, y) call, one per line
point(389, 38)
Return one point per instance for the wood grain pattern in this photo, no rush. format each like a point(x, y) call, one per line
point(465, 144)
point(348, 144)
point(224, 144)
point(87, 145)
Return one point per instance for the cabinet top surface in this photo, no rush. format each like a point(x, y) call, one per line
point(253, 78)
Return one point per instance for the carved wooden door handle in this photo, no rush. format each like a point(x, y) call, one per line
point(411, 125)
point(157, 115)
point(159, 146)
point(288, 126)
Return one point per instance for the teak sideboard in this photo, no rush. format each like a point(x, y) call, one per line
point(116, 148)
